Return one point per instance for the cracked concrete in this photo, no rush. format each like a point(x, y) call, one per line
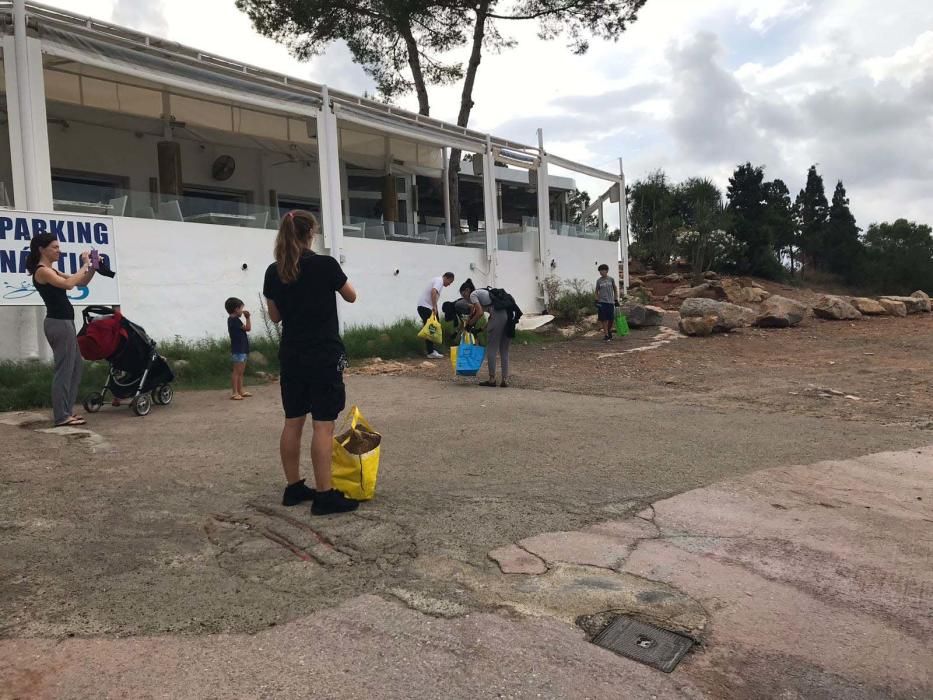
point(488, 573)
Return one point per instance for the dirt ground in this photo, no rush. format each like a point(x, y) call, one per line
point(177, 527)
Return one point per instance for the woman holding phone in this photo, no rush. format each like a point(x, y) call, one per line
point(59, 327)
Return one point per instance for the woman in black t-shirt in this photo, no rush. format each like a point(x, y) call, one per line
point(59, 327)
point(300, 290)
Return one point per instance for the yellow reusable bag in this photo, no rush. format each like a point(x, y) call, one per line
point(355, 461)
point(432, 331)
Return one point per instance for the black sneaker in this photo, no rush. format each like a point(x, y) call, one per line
point(333, 501)
point(607, 338)
point(297, 493)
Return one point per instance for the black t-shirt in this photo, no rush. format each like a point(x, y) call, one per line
point(239, 341)
point(310, 328)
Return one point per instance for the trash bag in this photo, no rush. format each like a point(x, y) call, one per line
point(621, 324)
point(432, 331)
point(355, 460)
point(469, 356)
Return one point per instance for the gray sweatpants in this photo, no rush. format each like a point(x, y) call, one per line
point(497, 343)
point(61, 336)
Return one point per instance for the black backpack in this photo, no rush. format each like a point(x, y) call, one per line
point(503, 301)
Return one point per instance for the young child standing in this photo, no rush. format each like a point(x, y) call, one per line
point(239, 344)
point(607, 299)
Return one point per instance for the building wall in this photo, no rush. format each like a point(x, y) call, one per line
point(174, 277)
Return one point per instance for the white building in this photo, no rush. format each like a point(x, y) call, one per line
point(196, 157)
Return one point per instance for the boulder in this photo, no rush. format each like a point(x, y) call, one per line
point(674, 277)
point(914, 305)
point(728, 316)
point(780, 312)
point(893, 308)
point(635, 282)
point(835, 309)
point(710, 275)
point(640, 316)
point(924, 300)
point(702, 326)
point(707, 290)
point(737, 293)
point(257, 359)
point(867, 306)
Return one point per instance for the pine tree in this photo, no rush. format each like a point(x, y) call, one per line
point(749, 225)
point(779, 213)
point(813, 214)
point(842, 247)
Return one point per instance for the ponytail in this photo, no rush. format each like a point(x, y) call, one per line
point(295, 233)
point(42, 240)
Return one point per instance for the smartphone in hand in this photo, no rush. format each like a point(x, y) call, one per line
point(95, 259)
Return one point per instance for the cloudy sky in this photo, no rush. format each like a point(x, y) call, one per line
point(694, 87)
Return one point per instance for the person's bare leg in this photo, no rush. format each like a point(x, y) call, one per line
point(233, 380)
point(241, 371)
point(290, 447)
point(322, 450)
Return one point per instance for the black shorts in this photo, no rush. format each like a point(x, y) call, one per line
point(320, 393)
point(606, 312)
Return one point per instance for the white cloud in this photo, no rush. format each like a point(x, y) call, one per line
point(763, 15)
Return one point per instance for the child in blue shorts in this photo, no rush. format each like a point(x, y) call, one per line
point(607, 299)
point(239, 344)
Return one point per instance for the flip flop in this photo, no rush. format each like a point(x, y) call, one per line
point(246, 394)
point(71, 422)
point(236, 397)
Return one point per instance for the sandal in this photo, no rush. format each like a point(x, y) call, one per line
point(246, 394)
point(487, 383)
point(72, 421)
point(236, 397)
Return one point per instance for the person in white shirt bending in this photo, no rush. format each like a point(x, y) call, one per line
point(427, 305)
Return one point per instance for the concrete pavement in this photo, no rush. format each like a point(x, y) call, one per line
point(799, 582)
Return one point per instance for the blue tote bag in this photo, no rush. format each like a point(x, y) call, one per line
point(469, 356)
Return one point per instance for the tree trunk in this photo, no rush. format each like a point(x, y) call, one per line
point(414, 63)
point(466, 105)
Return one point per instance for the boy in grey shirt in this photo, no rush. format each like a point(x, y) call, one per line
point(607, 299)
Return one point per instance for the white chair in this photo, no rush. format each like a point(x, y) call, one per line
point(170, 211)
point(118, 206)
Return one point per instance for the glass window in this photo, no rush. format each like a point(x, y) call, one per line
point(288, 203)
point(203, 201)
point(86, 192)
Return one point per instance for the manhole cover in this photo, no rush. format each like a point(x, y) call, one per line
point(644, 643)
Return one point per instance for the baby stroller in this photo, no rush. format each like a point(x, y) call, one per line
point(137, 371)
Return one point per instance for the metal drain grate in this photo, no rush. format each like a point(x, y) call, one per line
point(647, 644)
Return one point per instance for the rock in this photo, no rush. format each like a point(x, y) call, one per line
point(179, 364)
point(567, 331)
point(867, 306)
point(924, 299)
point(258, 359)
point(635, 282)
point(698, 325)
point(893, 308)
point(707, 290)
point(674, 277)
point(835, 309)
point(591, 320)
point(914, 305)
point(728, 316)
point(710, 275)
point(650, 275)
point(640, 316)
point(739, 293)
point(780, 312)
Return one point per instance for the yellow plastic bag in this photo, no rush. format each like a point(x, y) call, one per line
point(432, 331)
point(355, 461)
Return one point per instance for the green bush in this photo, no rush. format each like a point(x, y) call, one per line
point(571, 300)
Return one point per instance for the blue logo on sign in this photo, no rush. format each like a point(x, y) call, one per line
point(26, 290)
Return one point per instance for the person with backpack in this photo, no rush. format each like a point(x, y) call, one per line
point(500, 329)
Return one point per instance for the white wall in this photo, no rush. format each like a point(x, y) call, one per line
point(578, 258)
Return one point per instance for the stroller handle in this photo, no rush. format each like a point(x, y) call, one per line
point(97, 311)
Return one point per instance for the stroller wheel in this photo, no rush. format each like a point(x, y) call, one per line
point(163, 394)
point(142, 404)
point(93, 402)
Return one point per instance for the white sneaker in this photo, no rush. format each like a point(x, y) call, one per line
point(435, 356)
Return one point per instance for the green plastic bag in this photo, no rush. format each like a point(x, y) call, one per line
point(621, 325)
